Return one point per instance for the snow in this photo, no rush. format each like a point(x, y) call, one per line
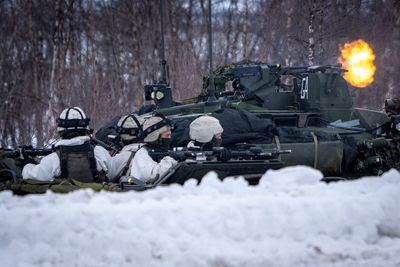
point(289, 219)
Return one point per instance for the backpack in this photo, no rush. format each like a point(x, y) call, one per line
point(79, 163)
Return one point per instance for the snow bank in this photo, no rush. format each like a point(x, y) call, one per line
point(289, 219)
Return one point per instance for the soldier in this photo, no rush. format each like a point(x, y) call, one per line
point(130, 129)
point(157, 130)
point(74, 157)
point(206, 133)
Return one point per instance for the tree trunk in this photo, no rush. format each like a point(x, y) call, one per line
point(311, 32)
point(55, 56)
point(38, 108)
point(245, 29)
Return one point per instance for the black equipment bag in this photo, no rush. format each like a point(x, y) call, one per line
point(79, 163)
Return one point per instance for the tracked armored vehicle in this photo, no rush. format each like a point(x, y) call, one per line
point(307, 110)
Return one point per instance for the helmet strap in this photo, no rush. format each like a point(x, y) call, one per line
point(69, 134)
point(138, 131)
point(158, 125)
point(73, 123)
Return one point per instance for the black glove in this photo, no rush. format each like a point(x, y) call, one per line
point(178, 155)
point(26, 159)
point(224, 155)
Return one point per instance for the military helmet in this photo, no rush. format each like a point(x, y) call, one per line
point(130, 127)
point(71, 119)
point(154, 126)
point(204, 128)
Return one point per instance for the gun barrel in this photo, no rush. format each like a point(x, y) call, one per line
point(284, 151)
point(106, 146)
point(157, 155)
point(251, 153)
point(261, 152)
point(39, 152)
point(29, 152)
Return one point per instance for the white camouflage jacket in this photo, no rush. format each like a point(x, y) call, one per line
point(120, 160)
point(49, 166)
point(144, 168)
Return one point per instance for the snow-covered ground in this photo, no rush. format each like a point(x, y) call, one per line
point(290, 219)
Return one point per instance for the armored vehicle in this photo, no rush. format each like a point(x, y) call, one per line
point(273, 117)
point(307, 110)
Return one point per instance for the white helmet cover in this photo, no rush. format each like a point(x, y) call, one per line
point(130, 129)
point(153, 134)
point(204, 128)
point(71, 119)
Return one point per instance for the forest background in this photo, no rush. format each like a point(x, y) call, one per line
point(98, 54)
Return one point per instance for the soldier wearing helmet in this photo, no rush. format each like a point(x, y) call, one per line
point(75, 156)
point(157, 132)
point(206, 132)
point(130, 129)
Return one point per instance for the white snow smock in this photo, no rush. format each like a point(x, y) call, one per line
point(49, 166)
point(146, 169)
point(120, 160)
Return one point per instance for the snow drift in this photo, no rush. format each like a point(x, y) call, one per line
point(289, 219)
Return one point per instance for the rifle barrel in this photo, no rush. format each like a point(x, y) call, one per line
point(254, 153)
point(106, 146)
point(29, 152)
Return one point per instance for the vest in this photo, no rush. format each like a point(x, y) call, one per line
point(79, 163)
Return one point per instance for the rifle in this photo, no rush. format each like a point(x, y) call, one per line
point(27, 150)
point(256, 153)
point(250, 153)
point(37, 152)
point(157, 155)
point(108, 146)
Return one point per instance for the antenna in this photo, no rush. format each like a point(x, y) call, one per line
point(163, 61)
point(211, 86)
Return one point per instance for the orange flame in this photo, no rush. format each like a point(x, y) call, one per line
point(358, 58)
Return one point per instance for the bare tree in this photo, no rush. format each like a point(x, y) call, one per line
point(99, 54)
